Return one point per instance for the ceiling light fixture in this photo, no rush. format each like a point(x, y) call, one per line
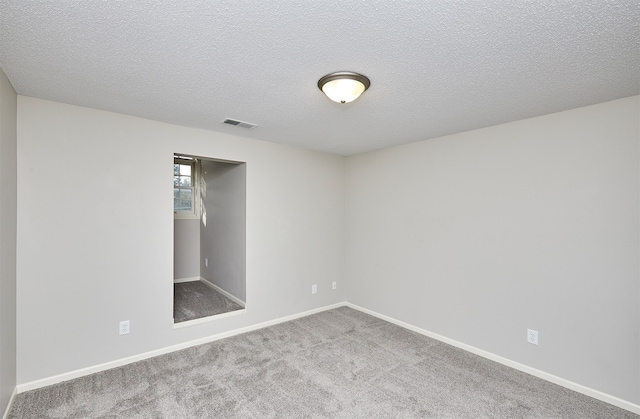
point(343, 86)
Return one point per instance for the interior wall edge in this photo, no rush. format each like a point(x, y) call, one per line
point(10, 404)
point(8, 240)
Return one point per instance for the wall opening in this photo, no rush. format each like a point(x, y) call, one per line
point(209, 246)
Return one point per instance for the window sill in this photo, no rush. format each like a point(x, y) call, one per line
point(185, 217)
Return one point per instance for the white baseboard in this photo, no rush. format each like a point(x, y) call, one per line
point(32, 385)
point(223, 292)
point(181, 280)
point(596, 394)
point(11, 399)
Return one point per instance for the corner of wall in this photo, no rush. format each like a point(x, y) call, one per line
point(8, 218)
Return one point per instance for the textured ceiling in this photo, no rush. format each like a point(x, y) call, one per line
point(436, 67)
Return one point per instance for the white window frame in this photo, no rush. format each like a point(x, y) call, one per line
point(194, 213)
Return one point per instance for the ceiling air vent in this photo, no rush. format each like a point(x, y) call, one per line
point(237, 123)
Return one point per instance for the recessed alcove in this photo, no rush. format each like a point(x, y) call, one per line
point(209, 268)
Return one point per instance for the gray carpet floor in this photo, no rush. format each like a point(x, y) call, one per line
point(194, 300)
point(339, 363)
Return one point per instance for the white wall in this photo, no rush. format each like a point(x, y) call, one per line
point(223, 238)
point(532, 224)
point(8, 215)
point(474, 236)
point(186, 245)
point(95, 246)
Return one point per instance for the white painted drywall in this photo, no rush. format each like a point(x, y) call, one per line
point(532, 224)
point(96, 247)
point(8, 191)
point(475, 236)
point(223, 238)
point(186, 245)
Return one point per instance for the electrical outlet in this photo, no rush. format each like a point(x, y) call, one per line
point(314, 289)
point(532, 336)
point(334, 285)
point(124, 327)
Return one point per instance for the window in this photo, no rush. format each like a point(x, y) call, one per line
point(185, 180)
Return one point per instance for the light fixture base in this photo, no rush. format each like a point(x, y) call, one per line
point(344, 86)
